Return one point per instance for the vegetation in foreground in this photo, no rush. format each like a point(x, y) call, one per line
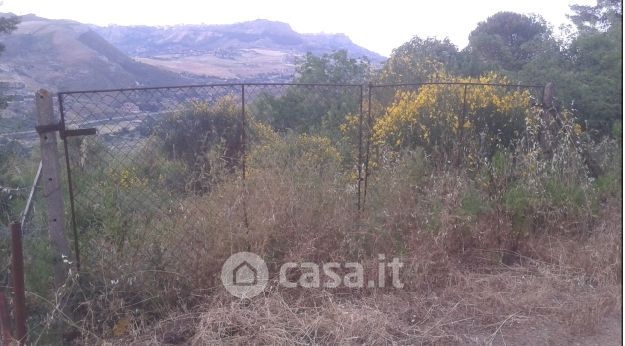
point(504, 221)
point(516, 237)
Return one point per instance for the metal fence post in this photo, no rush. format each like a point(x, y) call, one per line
point(548, 120)
point(70, 186)
point(47, 127)
point(243, 132)
point(244, 151)
point(5, 320)
point(19, 294)
point(360, 146)
point(463, 119)
point(368, 145)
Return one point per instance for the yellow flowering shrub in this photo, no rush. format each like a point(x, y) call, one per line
point(435, 115)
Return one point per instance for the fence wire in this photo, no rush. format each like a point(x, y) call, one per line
point(138, 186)
point(139, 182)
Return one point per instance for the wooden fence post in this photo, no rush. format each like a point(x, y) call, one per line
point(52, 192)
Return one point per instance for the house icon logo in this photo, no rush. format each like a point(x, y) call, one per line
point(244, 274)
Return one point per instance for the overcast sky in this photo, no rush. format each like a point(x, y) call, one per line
point(377, 25)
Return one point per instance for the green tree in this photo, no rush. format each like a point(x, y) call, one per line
point(418, 60)
point(8, 151)
point(315, 109)
point(7, 26)
point(506, 41)
point(598, 17)
point(587, 70)
point(334, 68)
point(596, 56)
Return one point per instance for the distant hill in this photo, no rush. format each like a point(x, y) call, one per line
point(67, 55)
point(147, 41)
point(257, 50)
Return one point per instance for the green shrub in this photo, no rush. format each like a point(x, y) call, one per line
point(204, 136)
point(609, 186)
point(472, 203)
point(563, 195)
point(306, 155)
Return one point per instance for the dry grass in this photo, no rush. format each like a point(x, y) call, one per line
point(554, 288)
point(469, 278)
point(476, 309)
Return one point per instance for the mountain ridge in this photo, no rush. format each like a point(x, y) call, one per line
point(144, 40)
point(66, 55)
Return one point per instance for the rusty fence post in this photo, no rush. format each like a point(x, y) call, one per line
point(19, 294)
point(243, 132)
point(360, 163)
point(70, 186)
point(5, 321)
point(367, 145)
point(463, 119)
point(243, 158)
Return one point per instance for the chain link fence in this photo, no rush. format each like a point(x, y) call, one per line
point(158, 151)
point(143, 190)
point(139, 185)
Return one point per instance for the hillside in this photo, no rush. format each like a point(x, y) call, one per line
point(256, 50)
point(66, 55)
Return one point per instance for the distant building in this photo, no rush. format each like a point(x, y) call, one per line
point(12, 85)
point(129, 107)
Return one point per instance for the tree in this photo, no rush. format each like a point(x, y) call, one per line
point(335, 68)
point(587, 70)
point(8, 151)
point(7, 26)
point(507, 41)
point(308, 109)
point(596, 56)
point(598, 17)
point(418, 60)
